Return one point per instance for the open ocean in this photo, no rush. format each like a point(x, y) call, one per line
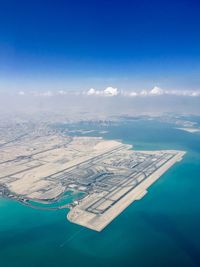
point(162, 229)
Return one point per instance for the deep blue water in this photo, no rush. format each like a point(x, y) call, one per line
point(162, 229)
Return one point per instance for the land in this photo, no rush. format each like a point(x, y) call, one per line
point(42, 166)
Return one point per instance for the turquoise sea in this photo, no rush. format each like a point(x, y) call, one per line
point(162, 229)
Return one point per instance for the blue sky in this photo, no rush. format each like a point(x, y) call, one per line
point(133, 44)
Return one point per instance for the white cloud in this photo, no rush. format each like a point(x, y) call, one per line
point(157, 91)
point(92, 91)
point(109, 91)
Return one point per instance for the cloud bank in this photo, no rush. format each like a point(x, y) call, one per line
point(157, 91)
point(113, 91)
point(109, 91)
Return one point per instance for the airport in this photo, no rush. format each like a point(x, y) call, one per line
point(110, 175)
